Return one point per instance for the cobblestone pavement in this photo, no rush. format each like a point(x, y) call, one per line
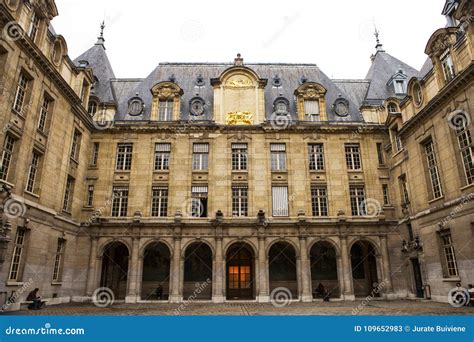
point(399, 307)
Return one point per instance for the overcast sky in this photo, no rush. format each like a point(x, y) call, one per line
point(337, 35)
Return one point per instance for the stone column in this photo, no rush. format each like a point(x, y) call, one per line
point(387, 276)
point(218, 284)
point(263, 296)
point(92, 270)
point(140, 277)
point(340, 275)
point(347, 270)
point(305, 272)
point(133, 273)
point(175, 296)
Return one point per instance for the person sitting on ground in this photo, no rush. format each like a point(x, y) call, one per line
point(36, 299)
point(320, 291)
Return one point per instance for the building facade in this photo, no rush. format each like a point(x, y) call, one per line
point(233, 181)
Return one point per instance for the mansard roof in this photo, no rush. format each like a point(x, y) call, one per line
point(383, 67)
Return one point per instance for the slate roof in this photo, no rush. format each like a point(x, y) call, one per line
point(426, 68)
point(383, 67)
point(372, 91)
point(100, 64)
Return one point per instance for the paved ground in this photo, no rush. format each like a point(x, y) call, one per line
point(400, 307)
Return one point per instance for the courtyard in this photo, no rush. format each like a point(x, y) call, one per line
point(341, 308)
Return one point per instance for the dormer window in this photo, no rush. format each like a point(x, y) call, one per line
point(281, 106)
point(311, 102)
point(92, 108)
point(165, 110)
point(166, 101)
point(399, 87)
point(392, 108)
point(34, 26)
point(447, 65)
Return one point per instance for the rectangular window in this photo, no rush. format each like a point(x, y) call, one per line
point(240, 201)
point(397, 145)
point(43, 116)
point(316, 157)
point(58, 260)
point(466, 148)
point(85, 87)
point(159, 201)
point(280, 201)
point(448, 66)
point(7, 156)
point(165, 110)
point(433, 170)
point(33, 172)
point(120, 201)
point(450, 263)
point(278, 157)
point(20, 95)
point(404, 190)
point(380, 154)
point(311, 110)
point(319, 200)
point(34, 26)
point(68, 192)
point(400, 87)
point(95, 154)
point(124, 157)
point(76, 145)
point(386, 194)
point(162, 157)
point(90, 196)
point(357, 194)
point(353, 158)
point(200, 157)
point(239, 157)
point(18, 248)
point(199, 198)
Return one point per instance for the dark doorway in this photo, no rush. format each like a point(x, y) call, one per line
point(323, 260)
point(240, 272)
point(417, 276)
point(282, 268)
point(364, 269)
point(198, 272)
point(114, 273)
point(156, 272)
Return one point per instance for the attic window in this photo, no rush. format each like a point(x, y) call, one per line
point(136, 106)
point(399, 87)
point(392, 107)
point(83, 64)
point(197, 106)
point(448, 66)
point(92, 109)
point(341, 107)
point(200, 81)
point(277, 81)
point(281, 106)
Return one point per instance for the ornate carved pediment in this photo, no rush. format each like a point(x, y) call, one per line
point(166, 90)
point(310, 91)
point(441, 40)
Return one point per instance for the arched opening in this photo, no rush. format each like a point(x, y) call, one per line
point(114, 273)
point(240, 262)
point(323, 258)
point(198, 272)
point(364, 268)
point(156, 272)
point(282, 267)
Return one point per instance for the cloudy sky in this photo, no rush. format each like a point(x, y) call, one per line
point(337, 35)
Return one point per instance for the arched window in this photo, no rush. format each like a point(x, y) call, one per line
point(392, 107)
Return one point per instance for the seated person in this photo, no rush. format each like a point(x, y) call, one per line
point(321, 292)
point(36, 299)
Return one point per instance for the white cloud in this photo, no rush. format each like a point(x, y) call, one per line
point(336, 35)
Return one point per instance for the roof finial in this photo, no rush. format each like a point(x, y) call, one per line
point(100, 39)
point(379, 45)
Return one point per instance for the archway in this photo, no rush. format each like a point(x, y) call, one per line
point(323, 258)
point(114, 272)
point(156, 272)
point(282, 267)
point(364, 268)
point(198, 272)
point(240, 262)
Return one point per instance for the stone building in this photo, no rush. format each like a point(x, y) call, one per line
point(233, 181)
